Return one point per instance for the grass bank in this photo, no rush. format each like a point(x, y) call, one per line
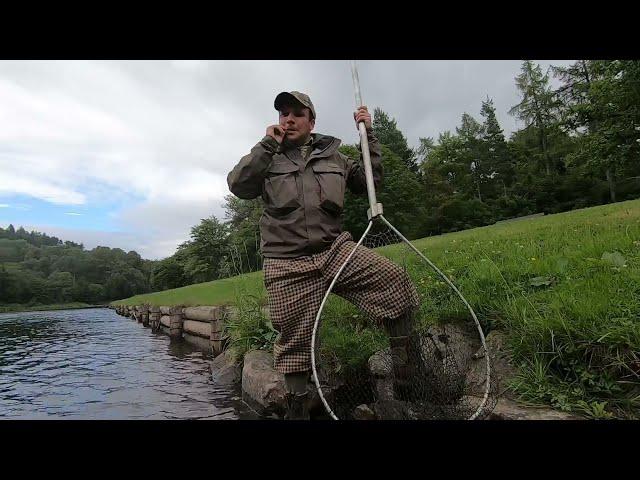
point(565, 288)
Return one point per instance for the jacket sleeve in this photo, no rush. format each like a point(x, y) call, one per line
point(247, 177)
point(355, 170)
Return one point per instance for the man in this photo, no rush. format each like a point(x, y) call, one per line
point(302, 179)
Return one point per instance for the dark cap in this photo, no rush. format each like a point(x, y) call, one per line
point(286, 98)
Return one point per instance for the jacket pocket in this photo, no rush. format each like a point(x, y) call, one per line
point(281, 188)
point(332, 186)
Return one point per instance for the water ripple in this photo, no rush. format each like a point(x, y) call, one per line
point(94, 364)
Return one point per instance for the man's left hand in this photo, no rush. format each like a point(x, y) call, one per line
point(363, 115)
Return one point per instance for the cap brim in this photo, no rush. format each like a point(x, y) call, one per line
point(285, 98)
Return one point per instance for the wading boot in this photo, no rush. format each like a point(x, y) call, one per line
point(297, 406)
point(411, 376)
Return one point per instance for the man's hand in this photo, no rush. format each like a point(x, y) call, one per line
point(362, 115)
point(277, 131)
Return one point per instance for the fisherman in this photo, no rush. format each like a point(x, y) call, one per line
point(302, 178)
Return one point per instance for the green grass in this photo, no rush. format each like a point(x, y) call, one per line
point(565, 288)
point(218, 292)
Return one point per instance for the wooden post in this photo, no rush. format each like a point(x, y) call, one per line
point(175, 330)
point(144, 313)
point(218, 337)
point(154, 318)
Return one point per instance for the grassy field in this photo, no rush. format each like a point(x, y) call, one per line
point(218, 292)
point(565, 288)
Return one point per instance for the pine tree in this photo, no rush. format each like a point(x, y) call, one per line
point(537, 108)
point(497, 159)
point(387, 132)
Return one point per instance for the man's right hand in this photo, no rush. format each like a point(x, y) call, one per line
point(276, 131)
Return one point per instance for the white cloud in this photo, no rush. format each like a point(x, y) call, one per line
point(4, 205)
point(74, 214)
point(166, 133)
point(17, 180)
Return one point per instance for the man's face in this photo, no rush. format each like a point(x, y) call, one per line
point(296, 119)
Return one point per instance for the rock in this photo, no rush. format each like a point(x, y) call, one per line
point(380, 364)
point(502, 370)
point(509, 410)
point(384, 389)
point(460, 341)
point(262, 386)
point(363, 412)
point(225, 370)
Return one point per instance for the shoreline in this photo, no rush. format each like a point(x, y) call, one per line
point(45, 308)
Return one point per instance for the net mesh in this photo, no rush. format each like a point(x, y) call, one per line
point(434, 368)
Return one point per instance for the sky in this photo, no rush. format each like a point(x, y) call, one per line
point(132, 154)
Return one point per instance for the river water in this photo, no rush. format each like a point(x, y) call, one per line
point(95, 364)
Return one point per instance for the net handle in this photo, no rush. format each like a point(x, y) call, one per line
point(375, 208)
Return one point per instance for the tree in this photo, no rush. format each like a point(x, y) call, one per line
point(206, 250)
point(387, 132)
point(168, 273)
point(495, 152)
point(470, 133)
point(401, 195)
point(243, 221)
point(59, 286)
point(603, 106)
point(537, 108)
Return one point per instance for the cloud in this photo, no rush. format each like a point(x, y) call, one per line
point(74, 213)
point(4, 205)
point(155, 140)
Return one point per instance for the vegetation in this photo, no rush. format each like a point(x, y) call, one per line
point(38, 270)
point(564, 287)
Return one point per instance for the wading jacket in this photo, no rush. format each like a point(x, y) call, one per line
point(303, 199)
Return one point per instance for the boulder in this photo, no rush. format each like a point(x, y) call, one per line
point(363, 412)
point(262, 386)
point(225, 370)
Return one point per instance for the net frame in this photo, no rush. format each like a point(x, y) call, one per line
point(376, 212)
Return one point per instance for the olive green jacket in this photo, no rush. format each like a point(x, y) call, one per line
point(303, 199)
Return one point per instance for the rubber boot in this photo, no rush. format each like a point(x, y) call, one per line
point(297, 406)
point(410, 372)
point(296, 396)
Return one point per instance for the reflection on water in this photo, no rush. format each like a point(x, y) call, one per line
point(94, 364)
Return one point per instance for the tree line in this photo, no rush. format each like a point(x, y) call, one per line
point(36, 268)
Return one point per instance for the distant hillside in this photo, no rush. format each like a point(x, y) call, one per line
point(37, 269)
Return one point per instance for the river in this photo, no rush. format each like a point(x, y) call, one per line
point(94, 364)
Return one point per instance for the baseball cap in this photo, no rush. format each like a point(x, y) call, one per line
point(284, 98)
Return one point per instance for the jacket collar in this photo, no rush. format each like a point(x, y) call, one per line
point(323, 146)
